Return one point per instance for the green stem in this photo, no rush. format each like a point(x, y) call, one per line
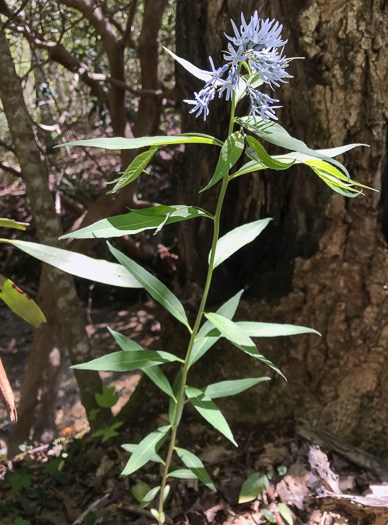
point(201, 309)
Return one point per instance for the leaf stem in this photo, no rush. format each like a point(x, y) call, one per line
point(201, 309)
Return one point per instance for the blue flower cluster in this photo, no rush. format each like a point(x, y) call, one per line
point(259, 47)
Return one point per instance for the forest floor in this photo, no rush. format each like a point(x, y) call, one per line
point(76, 479)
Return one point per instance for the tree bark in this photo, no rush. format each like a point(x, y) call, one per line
point(323, 262)
point(48, 229)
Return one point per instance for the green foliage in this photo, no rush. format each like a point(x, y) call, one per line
point(17, 300)
point(214, 324)
point(195, 465)
point(253, 486)
point(236, 239)
point(285, 513)
point(108, 432)
point(20, 521)
point(137, 221)
point(18, 480)
point(108, 398)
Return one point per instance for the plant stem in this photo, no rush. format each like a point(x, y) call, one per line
point(201, 309)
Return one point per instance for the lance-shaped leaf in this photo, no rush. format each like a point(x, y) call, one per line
point(230, 153)
point(137, 221)
point(146, 450)
point(285, 513)
point(258, 153)
point(254, 329)
point(158, 377)
point(203, 343)
point(182, 473)
point(131, 447)
point(275, 134)
point(79, 265)
point(120, 143)
point(209, 411)
point(137, 166)
point(233, 387)
point(154, 373)
point(149, 497)
point(236, 239)
point(230, 330)
point(20, 303)
point(125, 361)
point(154, 287)
point(11, 223)
point(202, 74)
point(236, 335)
point(196, 466)
point(124, 342)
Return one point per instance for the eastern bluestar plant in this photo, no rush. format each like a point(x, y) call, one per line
point(254, 57)
point(258, 48)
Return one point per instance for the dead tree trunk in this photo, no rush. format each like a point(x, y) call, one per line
point(48, 229)
point(324, 261)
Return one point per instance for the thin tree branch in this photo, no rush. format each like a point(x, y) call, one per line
point(59, 53)
point(15, 14)
point(128, 27)
point(14, 169)
point(96, 17)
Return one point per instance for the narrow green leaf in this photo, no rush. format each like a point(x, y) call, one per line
point(204, 136)
point(253, 486)
point(253, 329)
point(233, 387)
point(11, 223)
point(230, 153)
point(154, 287)
point(196, 466)
point(276, 134)
point(137, 166)
point(124, 343)
point(182, 473)
point(120, 143)
point(125, 361)
point(136, 221)
point(20, 303)
point(230, 330)
point(166, 492)
point(145, 450)
point(130, 447)
point(285, 513)
point(203, 343)
point(237, 238)
point(202, 74)
point(157, 376)
point(139, 490)
point(258, 153)
point(236, 335)
point(249, 167)
point(79, 265)
point(149, 497)
point(209, 411)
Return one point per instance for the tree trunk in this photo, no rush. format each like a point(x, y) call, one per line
point(323, 262)
point(48, 229)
